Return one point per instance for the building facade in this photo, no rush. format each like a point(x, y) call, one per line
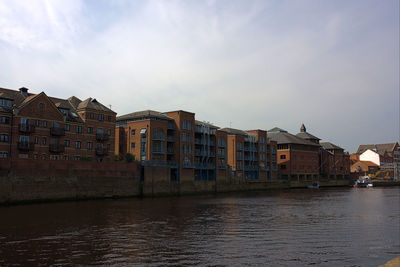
point(36, 126)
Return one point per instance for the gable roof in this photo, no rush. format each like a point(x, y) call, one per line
point(307, 136)
point(379, 148)
point(284, 137)
point(92, 103)
point(328, 145)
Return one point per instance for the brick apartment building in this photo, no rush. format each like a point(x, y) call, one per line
point(37, 126)
point(298, 158)
point(176, 140)
point(251, 154)
point(334, 162)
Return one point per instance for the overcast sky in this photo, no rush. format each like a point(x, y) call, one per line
point(332, 65)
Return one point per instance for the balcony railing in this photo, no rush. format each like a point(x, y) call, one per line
point(170, 126)
point(170, 150)
point(239, 168)
point(158, 151)
point(188, 165)
point(222, 167)
point(26, 128)
point(157, 138)
point(57, 131)
point(204, 166)
point(101, 151)
point(159, 163)
point(56, 148)
point(101, 137)
point(26, 146)
point(202, 153)
point(170, 138)
point(250, 168)
point(222, 156)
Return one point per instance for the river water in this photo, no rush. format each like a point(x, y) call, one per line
point(326, 227)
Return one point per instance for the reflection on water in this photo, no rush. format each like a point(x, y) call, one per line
point(335, 227)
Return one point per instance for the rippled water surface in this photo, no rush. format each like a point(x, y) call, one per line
point(327, 227)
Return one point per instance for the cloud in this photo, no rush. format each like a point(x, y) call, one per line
point(257, 64)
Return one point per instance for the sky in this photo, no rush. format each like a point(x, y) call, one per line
point(332, 65)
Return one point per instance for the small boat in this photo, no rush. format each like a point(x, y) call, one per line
point(313, 186)
point(363, 181)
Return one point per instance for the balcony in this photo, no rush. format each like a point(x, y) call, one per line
point(170, 138)
point(158, 151)
point(26, 128)
point(222, 167)
point(203, 153)
point(250, 168)
point(57, 131)
point(170, 126)
point(26, 146)
point(157, 138)
point(204, 166)
point(100, 151)
point(159, 163)
point(170, 150)
point(101, 137)
point(56, 148)
point(188, 165)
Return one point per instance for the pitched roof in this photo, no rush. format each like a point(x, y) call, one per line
point(232, 131)
point(144, 114)
point(307, 136)
point(92, 103)
point(379, 148)
point(287, 138)
point(328, 145)
point(276, 129)
point(364, 166)
point(206, 123)
point(74, 101)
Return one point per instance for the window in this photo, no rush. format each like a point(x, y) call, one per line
point(5, 120)
point(3, 155)
point(109, 118)
point(109, 132)
point(63, 111)
point(3, 137)
point(24, 139)
point(189, 149)
point(37, 122)
point(108, 147)
point(66, 143)
point(132, 132)
point(100, 131)
point(67, 127)
point(56, 124)
point(91, 115)
point(89, 130)
point(184, 137)
point(5, 103)
point(89, 145)
point(283, 156)
point(184, 124)
point(77, 158)
point(78, 144)
point(36, 140)
point(101, 117)
point(78, 129)
point(44, 124)
point(41, 106)
point(44, 140)
point(133, 145)
point(189, 125)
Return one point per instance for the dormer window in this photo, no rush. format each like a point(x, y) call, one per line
point(5, 103)
point(63, 111)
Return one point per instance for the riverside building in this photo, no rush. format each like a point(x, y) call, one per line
point(36, 126)
point(176, 140)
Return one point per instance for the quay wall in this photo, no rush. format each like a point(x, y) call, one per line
point(24, 180)
point(29, 181)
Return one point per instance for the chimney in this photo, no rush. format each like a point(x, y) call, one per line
point(24, 91)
